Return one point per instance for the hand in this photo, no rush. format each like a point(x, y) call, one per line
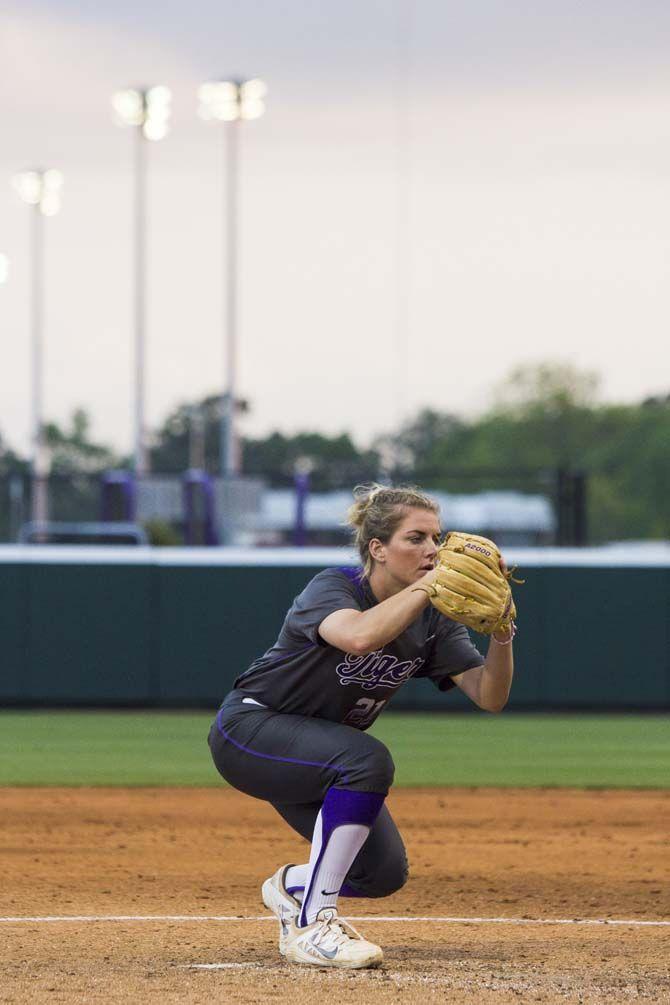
point(504, 635)
point(470, 584)
point(426, 584)
point(427, 579)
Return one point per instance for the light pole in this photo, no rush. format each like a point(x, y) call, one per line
point(230, 102)
point(42, 191)
point(148, 111)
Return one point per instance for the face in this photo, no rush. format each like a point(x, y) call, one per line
point(411, 551)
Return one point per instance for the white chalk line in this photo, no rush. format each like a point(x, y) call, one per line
point(219, 966)
point(371, 918)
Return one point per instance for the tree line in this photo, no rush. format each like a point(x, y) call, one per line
point(542, 418)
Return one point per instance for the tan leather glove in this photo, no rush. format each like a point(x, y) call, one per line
point(472, 584)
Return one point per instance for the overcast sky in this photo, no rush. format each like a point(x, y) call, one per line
point(437, 193)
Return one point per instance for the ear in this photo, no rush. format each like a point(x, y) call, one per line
point(377, 550)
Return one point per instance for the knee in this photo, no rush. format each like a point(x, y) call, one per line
point(374, 771)
point(391, 881)
point(382, 769)
point(385, 881)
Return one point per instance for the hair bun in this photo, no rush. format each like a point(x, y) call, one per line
point(364, 497)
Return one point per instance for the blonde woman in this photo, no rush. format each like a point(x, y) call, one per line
point(292, 730)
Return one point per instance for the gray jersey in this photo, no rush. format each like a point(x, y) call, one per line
point(303, 674)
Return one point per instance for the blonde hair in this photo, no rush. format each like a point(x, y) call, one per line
point(377, 512)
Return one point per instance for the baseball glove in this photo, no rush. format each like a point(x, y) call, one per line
point(472, 584)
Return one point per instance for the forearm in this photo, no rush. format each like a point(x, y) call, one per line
point(496, 676)
point(384, 622)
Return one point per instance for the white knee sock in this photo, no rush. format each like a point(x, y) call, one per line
point(328, 871)
point(295, 880)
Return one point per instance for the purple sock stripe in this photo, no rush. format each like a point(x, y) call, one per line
point(274, 757)
point(302, 920)
point(346, 891)
point(349, 806)
point(350, 891)
point(342, 806)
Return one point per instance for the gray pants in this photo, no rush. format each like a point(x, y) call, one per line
point(292, 760)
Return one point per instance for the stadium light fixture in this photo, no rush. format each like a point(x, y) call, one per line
point(230, 102)
point(147, 110)
point(42, 191)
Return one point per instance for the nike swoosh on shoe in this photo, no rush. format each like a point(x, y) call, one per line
point(328, 954)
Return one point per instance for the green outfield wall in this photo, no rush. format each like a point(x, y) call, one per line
point(174, 627)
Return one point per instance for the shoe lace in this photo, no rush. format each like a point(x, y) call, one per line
point(335, 930)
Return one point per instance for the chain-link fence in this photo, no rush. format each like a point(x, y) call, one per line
point(173, 510)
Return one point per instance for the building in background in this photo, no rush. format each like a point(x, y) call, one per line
point(510, 518)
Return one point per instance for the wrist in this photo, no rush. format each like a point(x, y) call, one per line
point(504, 636)
point(426, 584)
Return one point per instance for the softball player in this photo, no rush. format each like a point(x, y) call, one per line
point(292, 730)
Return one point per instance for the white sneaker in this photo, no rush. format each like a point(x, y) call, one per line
point(330, 942)
point(278, 900)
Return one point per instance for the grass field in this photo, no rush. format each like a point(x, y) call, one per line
point(170, 748)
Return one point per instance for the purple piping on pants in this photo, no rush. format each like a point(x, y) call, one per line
point(274, 757)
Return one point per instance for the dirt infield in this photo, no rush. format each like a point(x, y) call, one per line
point(199, 853)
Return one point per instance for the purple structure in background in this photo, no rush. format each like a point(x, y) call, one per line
point(199, 508)
point(118, 497)
point(301, 493)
